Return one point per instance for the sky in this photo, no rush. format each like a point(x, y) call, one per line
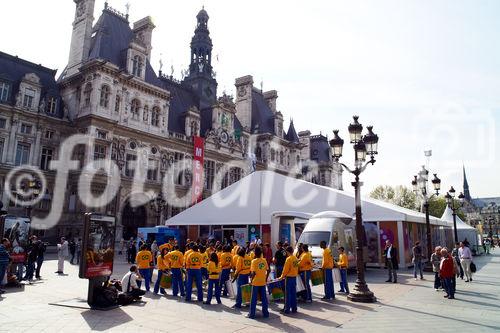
point(425, 74)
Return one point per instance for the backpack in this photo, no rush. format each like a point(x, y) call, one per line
point(125, 299)
point(473, 267)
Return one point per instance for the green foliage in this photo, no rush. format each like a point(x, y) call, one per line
point(398, 195)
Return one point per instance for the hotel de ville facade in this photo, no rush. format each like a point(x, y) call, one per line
point(110, 92)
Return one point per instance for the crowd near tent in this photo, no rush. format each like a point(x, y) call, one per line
point(250, 203)
point(464, 230)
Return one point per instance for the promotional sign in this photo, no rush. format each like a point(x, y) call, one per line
point(285, 233)
point(17, 230)
point(240, 235)
point(98, 246)
point(197, 182)
point(253, 232)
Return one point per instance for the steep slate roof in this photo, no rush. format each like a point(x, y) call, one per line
point(483, 202)
point(13, 69)
point(182, 98)
point(291, 134)
point(262, 115)
point(111, 39)
point(319, 148)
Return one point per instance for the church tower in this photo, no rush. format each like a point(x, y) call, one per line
point(466, 188)
point(200, 76)
point(81, 36)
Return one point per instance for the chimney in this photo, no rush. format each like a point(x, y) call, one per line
point(270, 97)
point(143, 32)
point(244, 87)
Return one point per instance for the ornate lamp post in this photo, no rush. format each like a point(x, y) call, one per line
point(420, 188)
point(363, 145)
point(158, 204)
point(454, 206)
point(32, 187)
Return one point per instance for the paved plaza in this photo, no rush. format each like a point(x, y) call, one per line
point(404, 307)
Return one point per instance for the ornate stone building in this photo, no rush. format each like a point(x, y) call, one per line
point(110, 92)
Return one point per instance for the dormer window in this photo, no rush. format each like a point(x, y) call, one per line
point(155, 116)
point(137, 65)
point(4, 91)
point(87, 92)
point(28, 98)
point(51, 105)
point(134, 109)
point(105, 92)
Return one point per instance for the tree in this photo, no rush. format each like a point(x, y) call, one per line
point(399, 195)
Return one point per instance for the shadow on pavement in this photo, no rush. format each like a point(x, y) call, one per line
point(96, 322)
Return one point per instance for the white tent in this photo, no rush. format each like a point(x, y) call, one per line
point(463, 229)
point(253, 200)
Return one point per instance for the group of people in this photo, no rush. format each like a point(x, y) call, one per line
point(219, 265)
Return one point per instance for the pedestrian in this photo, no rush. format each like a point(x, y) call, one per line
point(447, 272)
point(279, 259)
point(259, 271)
point(72, 250)
point(162, 265)
point(258, 241)
point(122, 244)
point(435, 261)
point(391, 261)
point(194, 263)
point(268, 254)
point(132, 252)
point(204, 262)
point(154, 250)
point(417, 260)
point(144, 260)
point(131, 283)
point(343, 263)
point(41, 248)
point(62, 254)
point(241, 274)
point(487, 244)
point(32, 253)
point(305, 267)
point(78, 250)
point(289, 274)
point(175, 261)
point(327, 267)
point(225, 261)
point(214, 270)
point(456, 256)
point(4, 261)
point(465, 255)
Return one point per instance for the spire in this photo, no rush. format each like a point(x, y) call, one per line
point(466, 187)
point(201, 47)
point(291, 134)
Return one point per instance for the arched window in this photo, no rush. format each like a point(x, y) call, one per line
point(258, 153)
point(282, 157)
point(118, 102)
point(145, 113)
point(134, 108)
point(137, 65)
point(105, 92)
point(87, 92)
point(272, 155)
point(155, 116)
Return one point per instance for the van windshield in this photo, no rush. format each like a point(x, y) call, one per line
point(313, 238)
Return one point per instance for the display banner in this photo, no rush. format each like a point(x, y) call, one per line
point(98, 246)
point(17, 230)
point(197, 181)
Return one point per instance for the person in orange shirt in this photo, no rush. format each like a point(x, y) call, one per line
point(204, 262)
point(289, 274)
point(144, 259)
point(343, 263)
point(327, 266)
point(193, 264)
point(162, 264)
point(213, 278)
point(305, 267)
point(225, 261)
point(259, 271)
point(241, 273)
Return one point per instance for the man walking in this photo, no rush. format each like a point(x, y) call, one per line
point(32, 254)
point(456, 256)
point(465, 255)
point(62, 253)
point(436, 261)
point(417, 260)
point(391, 261)
point(41, 246)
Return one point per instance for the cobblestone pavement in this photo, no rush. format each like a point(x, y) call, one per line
point(407, 306)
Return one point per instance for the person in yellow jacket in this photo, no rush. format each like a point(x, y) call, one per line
point(162, 264)
point(144, 259)
point(226, 260)
point(343, 263)
point(213, 278)
point(289, 274)
point(241, 274)
point(175, 260)
point(193, 264)
point(327, 266)
point(305, 267)
point(259, 271)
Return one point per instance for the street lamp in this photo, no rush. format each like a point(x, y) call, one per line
point(363, 145)
point(419, 184)
point(452, 203)
point(31, 187)
point(158, 204)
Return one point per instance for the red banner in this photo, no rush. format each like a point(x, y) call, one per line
point(197, 184)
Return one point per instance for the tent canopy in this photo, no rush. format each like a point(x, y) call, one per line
point(254, 199)
point(464, 231)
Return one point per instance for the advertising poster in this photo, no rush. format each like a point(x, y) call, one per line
point(388, 231)
point(285, 233)
point(240, 235)
point(371, 230)
point(17, 230)
point(253, 232)
point(98, 246)
point(197, 184)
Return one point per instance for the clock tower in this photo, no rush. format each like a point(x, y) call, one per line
point(201, 78)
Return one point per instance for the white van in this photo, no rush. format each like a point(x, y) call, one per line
point(336, 229)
